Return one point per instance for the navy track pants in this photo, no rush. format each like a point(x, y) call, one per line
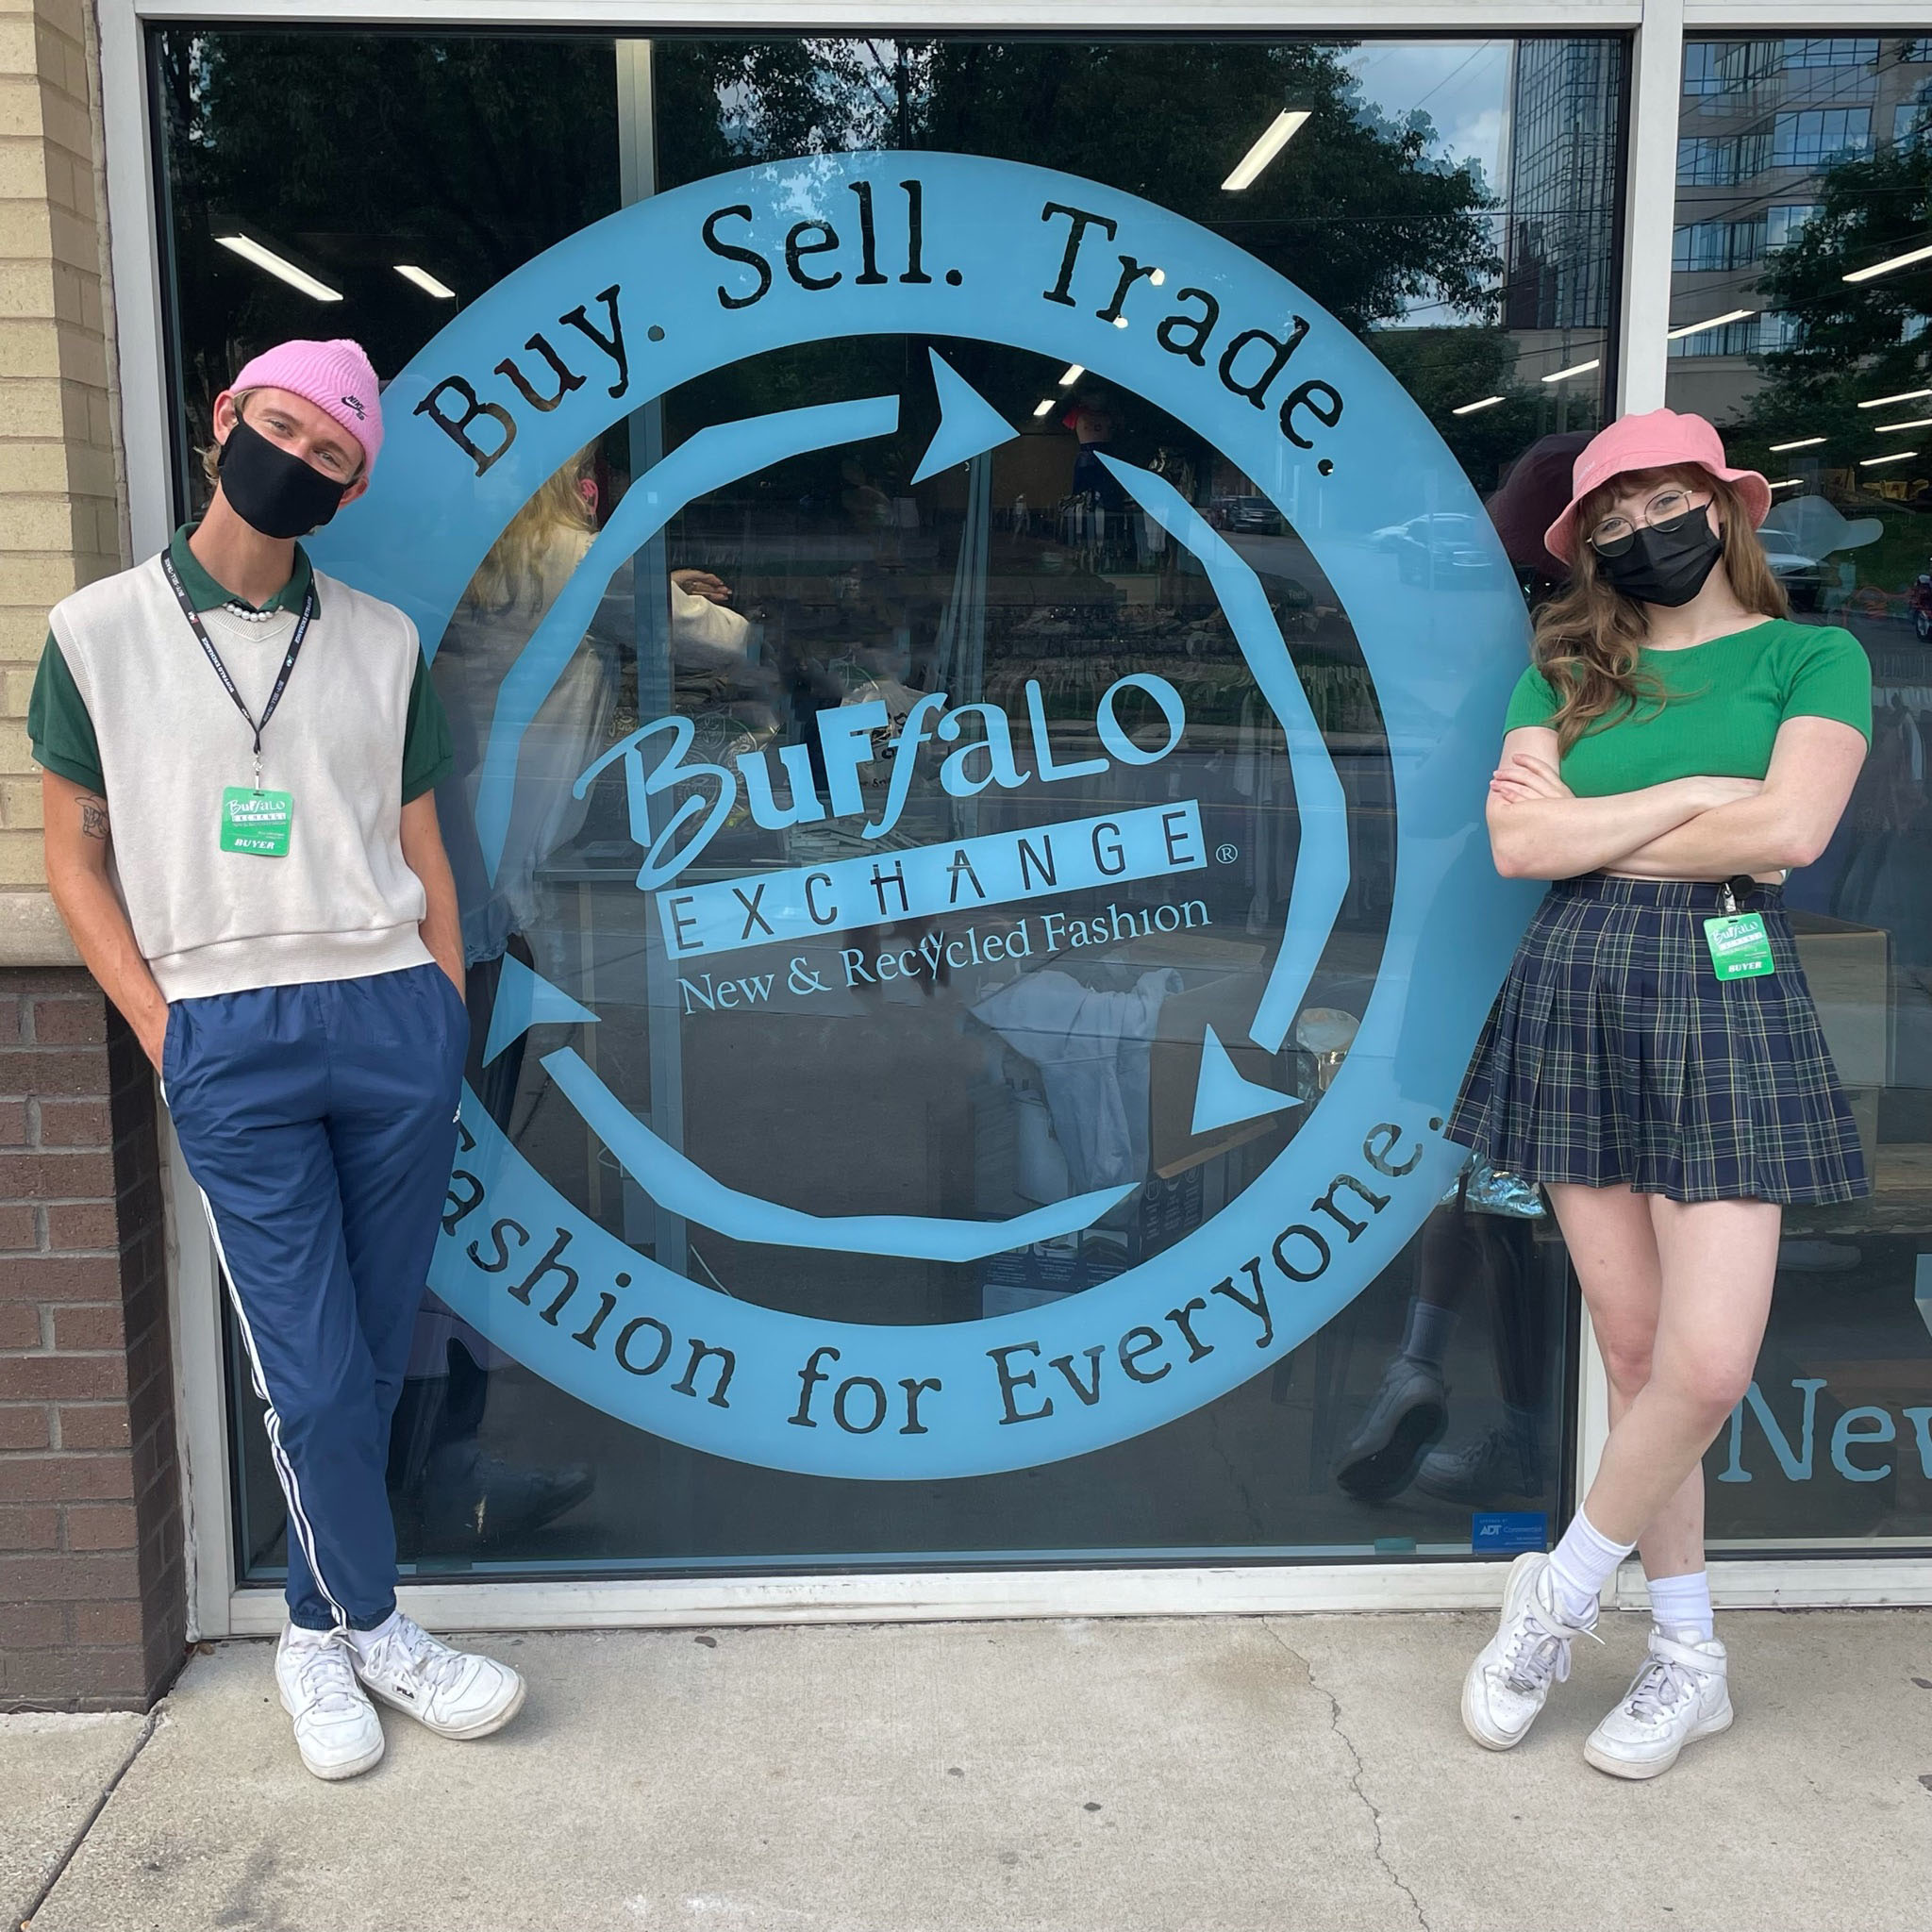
point(319, 1122)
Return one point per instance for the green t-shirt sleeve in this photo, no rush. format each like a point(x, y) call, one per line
point(57, 724)
point(1831, 677)
point(1531, 702)
point(427, 755)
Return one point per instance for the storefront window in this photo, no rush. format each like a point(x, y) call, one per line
point(1798, 319)
point(940, 841)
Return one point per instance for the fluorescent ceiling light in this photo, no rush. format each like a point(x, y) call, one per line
point(1046, 405)
point(1887, 429)
point(1871, 462)
point(1802, 443)
point(425, 281)
point(1905, 395)
point(1574, 369)
point(1275, 137)
point(1470, 408)
point(1076, 370)
point(284, 271)
point(1886, 267)
point(1787, 483)
point(1697, 329)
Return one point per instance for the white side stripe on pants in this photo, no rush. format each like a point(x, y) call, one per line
point(291, 1488)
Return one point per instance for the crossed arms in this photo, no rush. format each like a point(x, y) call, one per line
point(1687, 829)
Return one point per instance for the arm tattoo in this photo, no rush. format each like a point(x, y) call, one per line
point(93, 818)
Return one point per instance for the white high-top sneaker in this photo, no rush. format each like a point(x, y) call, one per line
point(336, 1729)
point(1510, 1678)
point(456, 1693)
point(1682, 1693)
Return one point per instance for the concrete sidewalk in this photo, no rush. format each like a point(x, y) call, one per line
point(1217, 1775)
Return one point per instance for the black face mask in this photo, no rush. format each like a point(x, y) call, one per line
point(1666, 563)
point(273, 490)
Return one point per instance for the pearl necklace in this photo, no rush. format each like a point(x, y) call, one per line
point(248, 616)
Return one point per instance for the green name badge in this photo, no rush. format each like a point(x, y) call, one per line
point(257, 823)
point(1740, 948)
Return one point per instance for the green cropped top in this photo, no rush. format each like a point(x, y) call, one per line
point(1722, 704)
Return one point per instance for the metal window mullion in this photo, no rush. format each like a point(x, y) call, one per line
point(922, 1597)
point(1447, 18)
point(1650, 191)
point(1439, 17)
point(201, 1398)
point(134, 264)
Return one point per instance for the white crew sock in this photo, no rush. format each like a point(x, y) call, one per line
point(366, 1641)
point(1581, 1564)
point(1428, 1332)
point(1680, 1604)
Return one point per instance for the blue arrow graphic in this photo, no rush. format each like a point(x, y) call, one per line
point(1224, 1095)
point(526, 999)
point(969, 425)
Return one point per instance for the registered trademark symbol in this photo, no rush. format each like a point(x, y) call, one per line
point(1226, 855)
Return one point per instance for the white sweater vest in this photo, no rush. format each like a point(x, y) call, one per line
point(342, 904)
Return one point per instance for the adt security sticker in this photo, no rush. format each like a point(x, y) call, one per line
point(1498, 1532)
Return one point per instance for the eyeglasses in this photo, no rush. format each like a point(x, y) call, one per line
point(1669, 510)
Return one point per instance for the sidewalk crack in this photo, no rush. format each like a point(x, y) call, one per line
point(1355, 1776)
point(87, 1823)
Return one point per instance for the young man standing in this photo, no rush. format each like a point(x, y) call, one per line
point(238, 759)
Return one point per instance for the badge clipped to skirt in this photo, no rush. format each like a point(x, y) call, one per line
point(257, 823)
point(1740, 947)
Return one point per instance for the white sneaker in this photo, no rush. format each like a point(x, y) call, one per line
point(456, 1693)
point(336, 1729)
point(1511, 1676)
point(1680, 1694)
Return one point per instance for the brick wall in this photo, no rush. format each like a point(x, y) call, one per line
point(92, 1598)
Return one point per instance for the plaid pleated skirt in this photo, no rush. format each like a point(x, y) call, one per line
point(1615, 1057)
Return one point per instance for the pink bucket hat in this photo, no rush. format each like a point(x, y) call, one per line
point(1660, 439)
point(335, 376)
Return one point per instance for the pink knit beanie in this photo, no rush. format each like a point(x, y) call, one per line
point(335, 376)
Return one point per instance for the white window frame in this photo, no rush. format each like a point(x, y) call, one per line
point(217, 1606)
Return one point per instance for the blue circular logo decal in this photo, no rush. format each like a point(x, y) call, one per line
point(949, 247)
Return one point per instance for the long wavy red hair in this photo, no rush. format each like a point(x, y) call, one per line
point(1587, 637)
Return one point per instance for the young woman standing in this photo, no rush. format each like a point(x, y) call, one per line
point(1653, 1058)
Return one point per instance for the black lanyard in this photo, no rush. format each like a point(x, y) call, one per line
point(258, 726)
